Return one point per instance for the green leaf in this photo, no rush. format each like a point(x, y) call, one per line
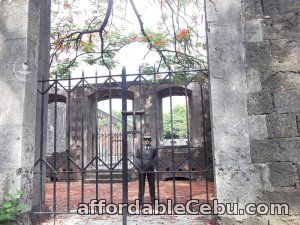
point(7, 205)
point(9, 196)
point(6, 217)
point(21, 207)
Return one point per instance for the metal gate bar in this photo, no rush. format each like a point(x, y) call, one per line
point(70, 167)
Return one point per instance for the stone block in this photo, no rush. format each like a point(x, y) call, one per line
point(258, 54)
point(8, 182)
point(28, 146)
point(233, 136)
point(237, 183)
point(262, 220)
point(283, 220)
point(253, 81)
point(253, 30)
point(285, 54)
point(281, 27)
point(258, 127)
point(273, 7)
point(279, 149)
point(257, 220)
point(252, 9)
point(282, 125)
point(291, 197)
point(286, 101)
point(11, 107)
point(20, 179)
point(223, 220)
point(260, 103)
point(11, 146)
point(282, 174)
point(283, 81)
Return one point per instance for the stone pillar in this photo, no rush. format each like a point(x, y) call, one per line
point(254, 78)
point(236, 180)
point(23, 58)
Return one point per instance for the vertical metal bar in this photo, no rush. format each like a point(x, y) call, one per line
point(106, 147)
point(69, 142)
point(41, 149)
point(100, 142)
point(124, 146)
point(204, 140)
point(97, 137)
point(93, 154)
point(82, 142)
point(156, 130)
point(140, 123)
point(207, 49)
point(55, 145)
point(117, 147)
point(188, 133)
point(110, 138)
point(173, 153)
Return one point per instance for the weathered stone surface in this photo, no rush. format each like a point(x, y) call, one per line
point(287, 101)
point(282, 174)
point(273, 219)
point(283, 81)
point(291, 197)
point(285, 54)
point(253, 31)
point(253, 81)
point(279, 149)
point(242, 179)
point(259, 220)
point(272, 7)
point(258, 127)
point(282, 125)
point(258, 54)
point(298, 122)
point(281, 27)
point(283, 220)
point(252, 9)
point(222, 220)
point(235, 179)
point(20, 43)
point(11, 143)
point(260, 103)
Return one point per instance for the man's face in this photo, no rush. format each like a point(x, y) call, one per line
point(147, 141)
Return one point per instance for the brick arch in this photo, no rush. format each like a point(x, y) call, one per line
point(176, 91)
point(57, 97)
point(115, 93)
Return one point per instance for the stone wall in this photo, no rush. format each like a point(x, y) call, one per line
point(272, 46)
point(254, 74)
point(60, 128)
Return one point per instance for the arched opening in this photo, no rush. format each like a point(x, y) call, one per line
point(174, 121)
point(109, 113)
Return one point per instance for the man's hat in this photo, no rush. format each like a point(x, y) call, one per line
point(147, 136)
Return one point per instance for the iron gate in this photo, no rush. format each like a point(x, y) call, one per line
point(86, 167)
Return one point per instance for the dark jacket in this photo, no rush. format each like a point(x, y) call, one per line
point(146, 158)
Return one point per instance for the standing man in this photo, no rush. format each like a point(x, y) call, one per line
point(146, 161)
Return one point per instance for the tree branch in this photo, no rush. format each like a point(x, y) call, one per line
point(138, 16)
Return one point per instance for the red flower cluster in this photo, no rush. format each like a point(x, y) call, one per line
point(67, 5)
point(183, 34)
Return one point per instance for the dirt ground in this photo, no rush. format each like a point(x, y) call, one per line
point(165, 192)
